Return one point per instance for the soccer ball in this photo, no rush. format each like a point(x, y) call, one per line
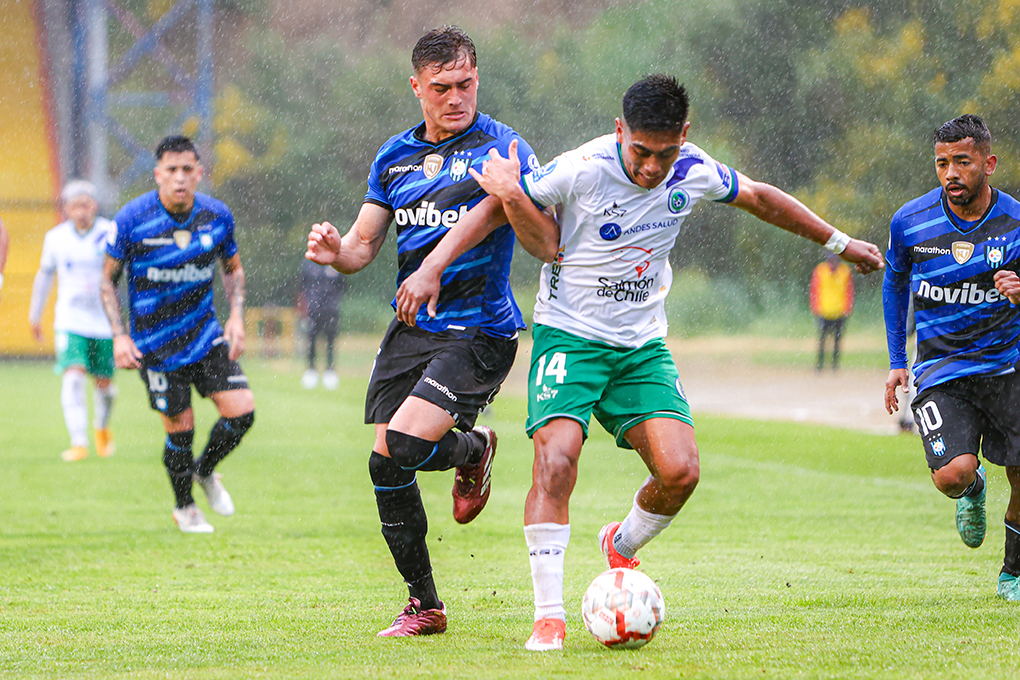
point(623, 608)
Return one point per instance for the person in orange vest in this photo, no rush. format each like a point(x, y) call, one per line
point(832, 300)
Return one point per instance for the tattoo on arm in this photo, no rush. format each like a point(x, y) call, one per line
point(108, 291)
point(233, 287)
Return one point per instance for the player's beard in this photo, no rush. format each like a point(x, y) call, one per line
point(965, 199)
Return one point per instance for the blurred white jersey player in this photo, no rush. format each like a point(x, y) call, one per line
point(74, 252)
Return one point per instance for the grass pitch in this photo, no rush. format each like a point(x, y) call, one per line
point(806, 552)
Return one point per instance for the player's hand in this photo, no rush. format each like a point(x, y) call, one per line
point(323, 244)
point(897, 378)
point(500, 177)
point(37, 333)
point(125, 353)
point(233, 334)
point(1008, 283)
point(420, 288)
point(866, 257)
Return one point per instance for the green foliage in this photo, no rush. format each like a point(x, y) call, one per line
point(805, 552)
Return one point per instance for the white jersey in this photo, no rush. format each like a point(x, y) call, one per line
point(77, 260)
point(611, 276)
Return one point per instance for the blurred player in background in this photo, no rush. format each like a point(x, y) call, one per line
point(74, 252)
point(442, 362)
point(319, 295)
point(954, 252)
point(600, 319)
point(168, 242)
point(832, 300)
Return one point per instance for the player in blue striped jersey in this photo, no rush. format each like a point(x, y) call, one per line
point(168, 241)
point(444, 357)
point(954, 252)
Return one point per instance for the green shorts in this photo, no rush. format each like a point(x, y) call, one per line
point(572, 377)
point(95, 355)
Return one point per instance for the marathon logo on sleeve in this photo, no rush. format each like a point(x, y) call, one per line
point(427, 215)
point(189, 273)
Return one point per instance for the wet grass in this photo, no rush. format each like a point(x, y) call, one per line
point(806, 553)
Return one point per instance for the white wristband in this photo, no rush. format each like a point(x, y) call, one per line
point(1, 281)
point(838, 242)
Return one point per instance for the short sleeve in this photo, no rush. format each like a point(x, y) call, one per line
point(118, 241)
point(552, 183)
point(376, 194)
point(228, 247)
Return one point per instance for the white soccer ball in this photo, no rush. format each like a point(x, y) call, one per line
point(623, 608)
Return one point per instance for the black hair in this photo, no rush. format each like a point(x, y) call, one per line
point(967, 125)
point(175, 144)
point(656, 103)
point(441, 46)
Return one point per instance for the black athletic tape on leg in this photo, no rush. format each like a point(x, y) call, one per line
point(452, 450)
point(403, 519)
point(177, 459)
point(226, 434)
point(1011, 563)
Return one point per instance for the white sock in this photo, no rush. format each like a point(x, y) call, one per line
point(76, 413)
point(547, 545)
point(102, 402)
point(638, 528)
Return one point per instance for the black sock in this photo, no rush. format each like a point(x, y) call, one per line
point(452, 450)
point(226, 434)
point(976, 488)
point(404, 526)
point(1011, 563)
point(179, 465)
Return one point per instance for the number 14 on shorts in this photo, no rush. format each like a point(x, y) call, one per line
point(556, 367)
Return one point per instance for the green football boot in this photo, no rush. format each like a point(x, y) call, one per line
point(970, 515)
point(1009, 587)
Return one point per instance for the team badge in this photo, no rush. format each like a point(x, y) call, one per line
point(458, 169)
point(994, 256)
point(962, 250)
point(431, 166)
point(533, 163)
point(206, 241)
point(938, 447)
point(678, 200)
point(182, 237)
point(543, 171)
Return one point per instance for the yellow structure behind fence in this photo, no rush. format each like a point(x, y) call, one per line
point(29, 175)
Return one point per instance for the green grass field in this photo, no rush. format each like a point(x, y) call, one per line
point(806, 552)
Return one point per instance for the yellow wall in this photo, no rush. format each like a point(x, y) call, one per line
point(28, 176)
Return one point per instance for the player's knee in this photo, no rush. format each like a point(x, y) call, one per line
point(680, 475)
point(386, 474)
point(555, 471)
point(408, 451)
point(239, 425)
point(954, 477)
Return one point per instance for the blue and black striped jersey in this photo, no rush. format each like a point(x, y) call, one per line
point(964, 326)
point(428, 188)
point(170, 267)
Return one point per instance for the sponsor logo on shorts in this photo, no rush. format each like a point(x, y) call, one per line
point(427, 215)
point(443, 389)
point(546, 394)
point(189, 273)
point(626, 291)
point(967, 294)
point(161, 404)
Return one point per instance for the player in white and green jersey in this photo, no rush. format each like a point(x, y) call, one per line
point(74, 252)
point(600, 321)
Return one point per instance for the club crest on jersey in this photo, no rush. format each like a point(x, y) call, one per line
point(182, 237)
point(962, 250)
point(678, 200)
point(994, 255)
point(431, 166)
point(458, 169)
point(206, 241)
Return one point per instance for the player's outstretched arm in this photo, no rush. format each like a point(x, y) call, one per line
point(422, 286)
point(779, 208)
point(357, 248)
point(538, 232)
point(233, 287)
point(125, 353)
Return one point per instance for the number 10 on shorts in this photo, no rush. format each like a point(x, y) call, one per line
point(556, 367)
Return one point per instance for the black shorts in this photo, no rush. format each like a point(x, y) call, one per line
point(460, 375)
point(170, 392)
point(971, 414)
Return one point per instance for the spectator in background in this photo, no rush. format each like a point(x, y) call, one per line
point(322, 289)
point(832, 300)
point(4, 240)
